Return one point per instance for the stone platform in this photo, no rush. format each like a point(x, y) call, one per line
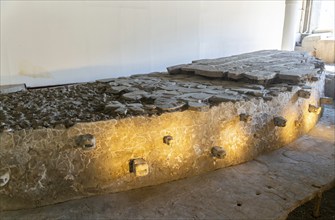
point(74, 141)
point(268, 187)
point(263, 67)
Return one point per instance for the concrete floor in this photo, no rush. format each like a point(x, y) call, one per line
point(269, 187)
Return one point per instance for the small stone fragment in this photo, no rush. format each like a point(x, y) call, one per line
point(166, 104)
point(267, 97)
point(274, 93)
point(4, 177)
point(315, 78)
point(117, 89)
point(121, 111)
point(297, 123)
point(218, 152)
point(314, 109)
point(217, 99)
point(86, 141)
point(136, 108)
point(304, 94)
point(260, 75)
point(134, 96)
point(167, 139)
point(253, 92)
point(306, 87)
point(60, 126)
point(139, 166)
point(279, 121)
point(197, 106)
point(112, 106)
point(246, 118)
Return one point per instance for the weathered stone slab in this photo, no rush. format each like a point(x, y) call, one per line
point(198, 106)
point(176, 69)
point(297, 75)
point(165, 104)
point(203, 70)
point(12, 88)
point(268, 65)
point(134, 96)
point(216, 99)
point(260, 75)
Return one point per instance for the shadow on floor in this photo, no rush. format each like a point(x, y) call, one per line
point(327, 211)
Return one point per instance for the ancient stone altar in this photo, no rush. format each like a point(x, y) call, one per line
point(73, 141)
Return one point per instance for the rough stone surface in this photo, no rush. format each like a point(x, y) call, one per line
point(264, 67)
point(156, 93)
point(268, 187)
point(12, 88)
point(150, 95)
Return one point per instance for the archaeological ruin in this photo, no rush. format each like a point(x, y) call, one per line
point(71, 141)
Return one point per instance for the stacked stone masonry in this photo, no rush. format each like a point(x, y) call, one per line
point(72, 141)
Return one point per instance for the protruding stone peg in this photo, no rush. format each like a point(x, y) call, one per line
point(246, 118)
point(218, 152)
point(279, 121)
point(86, 141)
point(326, 101)
point(138, 166)
point(297, 123)
point(167, 139)
point(314, 109)
point(304, 94)
point(4, 177)
point(315, 78)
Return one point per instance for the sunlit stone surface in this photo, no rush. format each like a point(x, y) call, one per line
point(78, 140)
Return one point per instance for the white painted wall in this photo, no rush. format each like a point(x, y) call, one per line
point(55, 42)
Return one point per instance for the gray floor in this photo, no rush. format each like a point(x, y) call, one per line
point(268, 187)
